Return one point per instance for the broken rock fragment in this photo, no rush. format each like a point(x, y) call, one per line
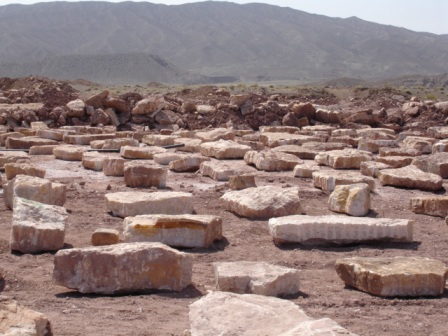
point(399, 276)
point(123, 268)
point(430, 205)
point(410, 177)
point(352, 199)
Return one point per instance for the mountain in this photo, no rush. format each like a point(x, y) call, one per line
point(128, 68)
point(221, 39)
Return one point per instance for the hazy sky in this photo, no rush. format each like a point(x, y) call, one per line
point(419, 15)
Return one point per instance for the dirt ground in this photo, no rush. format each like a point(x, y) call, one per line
point(28, 278)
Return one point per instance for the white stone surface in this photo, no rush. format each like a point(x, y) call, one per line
point(352, 199)
point(263, 202)
point(246, 277)
point(314, 230)
point(133, 203)
point(37, 227)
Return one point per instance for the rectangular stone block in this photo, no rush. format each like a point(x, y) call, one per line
point(123, 268)
point(430, 205)
point(173, 230)
point(125, 204)
point(316, 230)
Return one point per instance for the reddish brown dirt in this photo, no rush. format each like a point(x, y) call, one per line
point(28, 278)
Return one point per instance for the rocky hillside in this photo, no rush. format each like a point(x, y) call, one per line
point(250, 42)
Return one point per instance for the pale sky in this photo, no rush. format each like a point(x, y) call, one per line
point(419, 15)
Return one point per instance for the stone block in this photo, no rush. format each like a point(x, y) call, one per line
point(173, 230)
point(27, 142)
point(69, 153)
point(133, 203)
point(278, 139)
point(113, 166)
point(35, 189)
point(93, 160)
point(372, 168)
point(188, 164)
point(144, 153)
point(123, 268)
point(270, 160)
point(225, 313)
point(17, 320)
point(410, 177)
point(37, 227)
point(318, 230)
point(399, 276)
point(14, 169)
point(215, 135)
point(263, 202)
point(327, 180)
point(343, 159)
point(395, 161)
point(42, 150)
point(305, 170)
point(140, 174)
point(224, 170)
point(245, 277)
point(224, 149)
point(352, 199)
point(434, 163)
point(240, 182)
point(430, 205)
point(103, 236)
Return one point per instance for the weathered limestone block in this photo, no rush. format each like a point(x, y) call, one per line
point(225, 313)
point(144, 153)
point(399, 276)
point(103, 236)
point(376, 133)
point(14, 169)
point(76, 108)
point(327, 180)
point(318, 128)
point(440, 147)
point(224, 149)
point(190, 145)
point(343, 159)
point(205, 109)
point(123, 268)
point(151, 105)
point(245, 277)
point(113, 166)
point(86, 139)
point(372, 168)
point(187, 164)
point(93, 160)
point(277, 129)
point(305, 170)
point(395, 161)
point(133, 203)
point(410, 177)
point(17, 320)
point(374, 146)
point(317, 230)
point(27, 142)
point(140, 174)
point(159, 140)
point(11, 157)
point(223, 170)
point(165, 158)
point(51, 134)
point(422, 144)
point(434, 163)
point(118, 143)
point(263, 202)
point(240, 182)
point(5, 136)
point(69, 153)
point(352, 199)
point(37, 227)
point(385, 151)
point(270, 160)
point(173, 230)
point(215, 135)
point(278, 139)
point(430, 205)
point(42, 150)
point(35, 189)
